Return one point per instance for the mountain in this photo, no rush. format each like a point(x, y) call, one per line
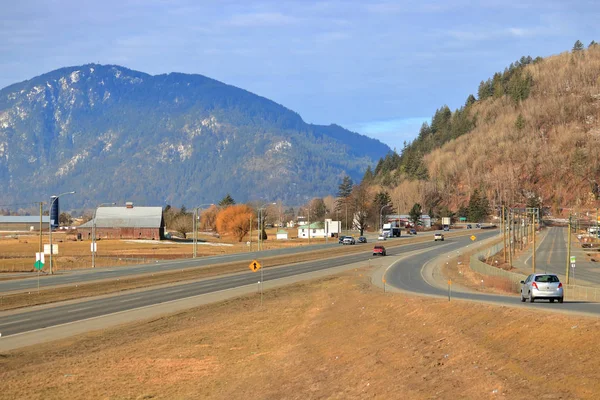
point(114, 134)
point(531, 137)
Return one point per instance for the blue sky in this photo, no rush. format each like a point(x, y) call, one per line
point(380, 68)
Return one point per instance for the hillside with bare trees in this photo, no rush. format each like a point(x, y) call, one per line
point(531, 137)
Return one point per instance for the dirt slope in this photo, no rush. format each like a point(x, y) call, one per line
point(336, 338)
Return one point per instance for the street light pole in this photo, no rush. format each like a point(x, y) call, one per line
point(261, 222)
point(196, 216)
point(308, 223)
point(381, 216)
point(50, 224)
point(94, 232)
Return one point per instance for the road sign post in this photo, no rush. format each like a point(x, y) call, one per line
point(39, 264)
point(449, 289)
point(255, 266)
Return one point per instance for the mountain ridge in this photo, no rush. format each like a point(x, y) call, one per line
point(120, 134)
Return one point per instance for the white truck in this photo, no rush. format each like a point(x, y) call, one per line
point(391, 229)
point(446, 223)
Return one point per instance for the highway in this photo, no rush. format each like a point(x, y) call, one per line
point(90, 275)
point(407, 275)
point(13, 323)
point(551, 256)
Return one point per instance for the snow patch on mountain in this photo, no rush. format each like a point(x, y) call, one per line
point(70, 165)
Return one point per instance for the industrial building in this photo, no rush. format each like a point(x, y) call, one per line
point(21, 223)
point(127, 222)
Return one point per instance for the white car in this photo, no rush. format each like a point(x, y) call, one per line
point(438, 236)
point(381, 236)
point(349, 240)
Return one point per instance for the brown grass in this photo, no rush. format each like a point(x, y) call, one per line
point(18, 254)
point(337, 338)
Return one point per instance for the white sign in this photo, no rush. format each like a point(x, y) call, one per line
point(93, 247)
point(572, 265)
point(47, 249)
point(40, 257)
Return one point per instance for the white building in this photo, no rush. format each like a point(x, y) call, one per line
point(282, 234)
point(316, 229)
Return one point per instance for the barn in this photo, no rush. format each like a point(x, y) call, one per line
point(18, 223)
point(127, 222)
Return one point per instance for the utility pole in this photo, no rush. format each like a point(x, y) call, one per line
point(568, 250)
point(250, 232)
point(504, 233)
point(41, 212)
point(533, 245)
point(510, 237)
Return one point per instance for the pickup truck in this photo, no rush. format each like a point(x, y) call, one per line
point(438, 236)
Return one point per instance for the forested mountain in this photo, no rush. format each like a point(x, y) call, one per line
point(113, 134)
point(532, 136)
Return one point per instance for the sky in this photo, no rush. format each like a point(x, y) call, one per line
point(380, 68)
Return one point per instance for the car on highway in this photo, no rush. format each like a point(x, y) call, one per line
point(362, 239)
point(341, 239)
point(542, 286)
point(412, 231)
point(349, 240)
point(379, 250)
point(438, 236)
point(382, 236)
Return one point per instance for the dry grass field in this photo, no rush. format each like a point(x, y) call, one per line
point(335, 338)
point(17, 254)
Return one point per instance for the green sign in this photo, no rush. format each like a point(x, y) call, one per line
point(462, 219)
point(38, 265)
point(572, 259)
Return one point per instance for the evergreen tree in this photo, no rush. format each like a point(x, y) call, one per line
point(415, 214)
point(578, 46)
point(479, 207)
point(344, 197)
point(382, 198)
point(368, 177)
point(226, 201)
point(592, 44)
point(470, 100)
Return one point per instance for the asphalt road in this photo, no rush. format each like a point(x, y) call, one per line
point(89, 275)
point(407, 276)
point(551, 256)
point(14, 323)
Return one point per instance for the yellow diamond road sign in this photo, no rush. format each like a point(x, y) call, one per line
point(473, 237)
point(254, 266)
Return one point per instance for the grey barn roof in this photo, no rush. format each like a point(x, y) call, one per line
point(23, 219)
point(123, 217)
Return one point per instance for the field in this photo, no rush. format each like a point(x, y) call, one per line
point(17, 252)
point(334, 338)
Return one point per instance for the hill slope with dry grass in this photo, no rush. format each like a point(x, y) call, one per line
point(546, 146)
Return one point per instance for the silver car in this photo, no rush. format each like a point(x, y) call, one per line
point(542, 286)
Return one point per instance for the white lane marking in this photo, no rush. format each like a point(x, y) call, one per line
point(15, 322)
point(175, 291)
point(132, 299)
point(80, 309)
